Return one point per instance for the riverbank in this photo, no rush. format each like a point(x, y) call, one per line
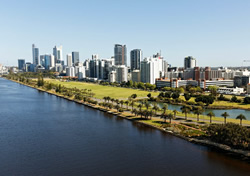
point(240, 153)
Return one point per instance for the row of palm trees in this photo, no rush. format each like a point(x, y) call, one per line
point(198, 110)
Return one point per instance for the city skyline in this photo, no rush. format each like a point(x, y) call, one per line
point(218, 34)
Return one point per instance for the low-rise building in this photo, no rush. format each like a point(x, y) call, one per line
point(204, 84)
point(235, 91)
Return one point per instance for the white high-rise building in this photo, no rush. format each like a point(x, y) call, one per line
point(151, 69)
point(69, 60)
point(35, 54)
point(112, 76)
point(121, 73)
point(70, 71)
point(80, 72)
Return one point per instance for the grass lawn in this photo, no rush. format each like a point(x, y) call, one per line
point(102, 91)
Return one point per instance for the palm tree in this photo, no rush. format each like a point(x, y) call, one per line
point(117, 107)
point(132, 104)
point(147, 105)
point(210, 114)
point(134, 111)
point(170, 116)
point(241, 117)
point(175, 112)
point(198, 111)
point(150, 113)
point(121, 102)
point(164, 116)
point(155, 107)
point(185, 110)
point(140, 106)
point(105, 99)
point(165, 107)
point(117, 101)
point(127, 102)
point(108, 98)
point(225, 115)
point(112, 100)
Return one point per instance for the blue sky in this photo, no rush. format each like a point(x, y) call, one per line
point(215, 32)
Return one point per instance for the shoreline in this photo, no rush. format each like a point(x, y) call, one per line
point(238, 153)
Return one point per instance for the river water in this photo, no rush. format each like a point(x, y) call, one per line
point(41, 134)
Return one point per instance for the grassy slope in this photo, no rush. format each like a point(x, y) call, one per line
point(102, 91)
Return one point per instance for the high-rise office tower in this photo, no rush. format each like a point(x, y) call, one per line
point(69, 60)
point(35, 54)
point(120, 52)
point(135, 59)
point(21, 64)
point(189, 62)
point(42, 60)
point(75, 57)
point(57, 52)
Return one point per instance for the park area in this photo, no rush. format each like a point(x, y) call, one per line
point(102, 91)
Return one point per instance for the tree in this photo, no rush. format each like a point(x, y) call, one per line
point(229, 134)
point(133, 96)
point(210, 114)
point(175, 112)
point(164, 116)
point(187, 96)
point(225, 115)
point(149, 95)
point(155, 107)
point(140, 106)
point(147, 105)
point(247, 100)
point(165, 107)
point(198, 111)
point(213, 90)
point(121, 102)
point(241, 117)
point(134, 111)
point(234, 98)
point(206, 99)
point(117, 107)
point(132, 103)
point(175, 95)
point(170, 116)
point(127, 102)
point(185, 110)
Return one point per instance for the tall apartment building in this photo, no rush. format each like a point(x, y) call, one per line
point(120, 52)
point(21, 64)
point(69, 60)
point(135, 59)
point(35, 54)
point(189, 62)
point(57, 52)
point(151, 69)
point(75, 57)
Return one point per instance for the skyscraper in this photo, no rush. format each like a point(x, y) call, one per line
point(75, 57)
point(57, 52)
point(120, 52)
point(135, 59)
point(189, 62)
point(21, 64)
point(69, 60)
point(35, 54)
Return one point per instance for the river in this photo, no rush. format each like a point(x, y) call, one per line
point(41, 134)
